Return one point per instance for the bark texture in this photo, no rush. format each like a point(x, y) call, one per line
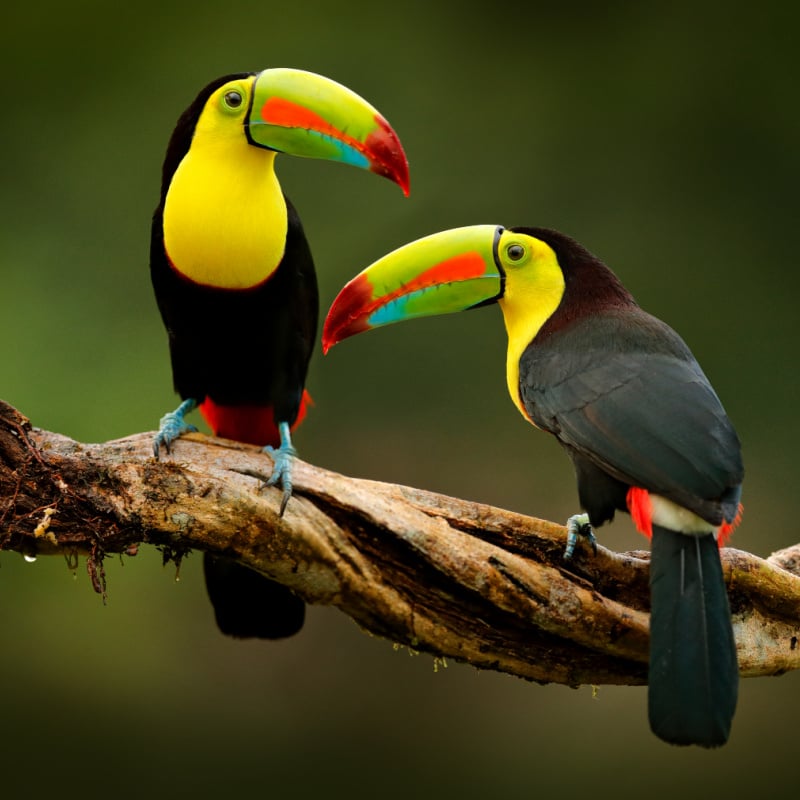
point(453, 578)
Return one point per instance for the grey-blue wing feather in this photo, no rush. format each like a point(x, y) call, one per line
point(625, 394)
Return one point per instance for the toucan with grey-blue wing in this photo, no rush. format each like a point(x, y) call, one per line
point(627, 400)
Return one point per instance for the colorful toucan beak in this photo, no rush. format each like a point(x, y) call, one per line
point(304, 114)
point(449, 271)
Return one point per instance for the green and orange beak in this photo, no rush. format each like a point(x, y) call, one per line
point(449, 271)
point(304, 114)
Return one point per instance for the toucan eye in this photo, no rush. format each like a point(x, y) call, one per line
point(515, 252)
point(233, 99)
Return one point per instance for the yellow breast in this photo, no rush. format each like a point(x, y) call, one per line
point(225, 217)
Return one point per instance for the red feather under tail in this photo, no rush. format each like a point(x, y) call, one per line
point(641, 511)
point(249, 424)
point(727, 528)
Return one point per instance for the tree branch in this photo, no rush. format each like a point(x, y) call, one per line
point(453, 578)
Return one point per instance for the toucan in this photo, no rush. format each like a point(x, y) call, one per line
point(627, 400)
point(234, 280)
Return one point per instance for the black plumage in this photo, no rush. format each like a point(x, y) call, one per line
point(694, 676)
point(239, 347)
point(247, 605)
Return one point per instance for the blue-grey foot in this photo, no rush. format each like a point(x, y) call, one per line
point(173, 425)
point(283, 461)
point(579, 527)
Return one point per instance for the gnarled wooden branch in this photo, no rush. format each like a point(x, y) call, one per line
point(446, 576)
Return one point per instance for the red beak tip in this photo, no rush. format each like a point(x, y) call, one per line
point(403, 178)
point(328, 341)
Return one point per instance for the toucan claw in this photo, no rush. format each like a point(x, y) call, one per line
point(579, 527)
point(281, 472)
point(172, 426)
point(283, 461)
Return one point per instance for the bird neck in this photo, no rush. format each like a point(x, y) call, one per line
point(530, 299)
point(225, 217)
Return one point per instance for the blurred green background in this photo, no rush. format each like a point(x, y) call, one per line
point(665, 141)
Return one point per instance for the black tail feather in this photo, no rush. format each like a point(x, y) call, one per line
point(694, 675)
point(248, 605)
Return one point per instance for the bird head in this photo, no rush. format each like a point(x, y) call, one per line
point(450, 271)
point(289, 111)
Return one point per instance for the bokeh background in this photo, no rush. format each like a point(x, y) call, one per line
point(664, 140)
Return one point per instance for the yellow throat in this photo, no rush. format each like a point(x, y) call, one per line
point(533, 292)
point(225, 217)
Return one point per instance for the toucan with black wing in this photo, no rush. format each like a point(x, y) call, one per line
point(235, 283)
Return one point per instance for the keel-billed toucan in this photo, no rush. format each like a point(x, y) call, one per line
point(235, 283)
point(627, 400)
